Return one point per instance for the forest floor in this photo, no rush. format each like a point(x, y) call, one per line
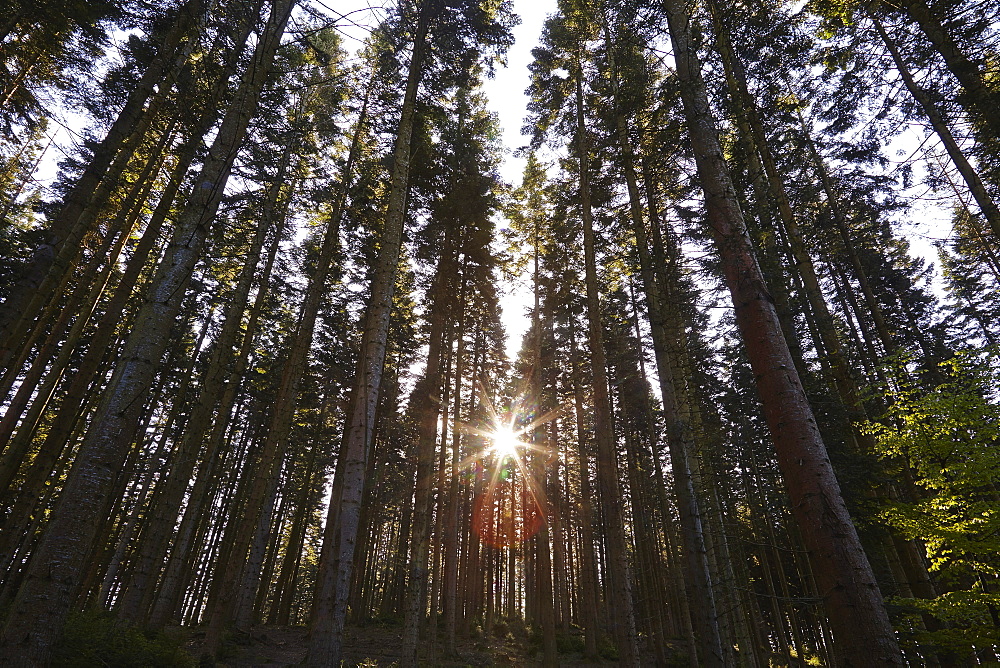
point(380, 645)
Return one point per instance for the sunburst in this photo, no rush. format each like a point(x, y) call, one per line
point(506, 443)
point(508, 461)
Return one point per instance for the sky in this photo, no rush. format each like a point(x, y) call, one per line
point(507, 99)
point(505, 92)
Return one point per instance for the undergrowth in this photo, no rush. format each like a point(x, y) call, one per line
point(98, 638)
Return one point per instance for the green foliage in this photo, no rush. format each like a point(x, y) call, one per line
point(606, 649)
point(500, 628)
point(947, 439)
point(97, 638)
point(569, 643)
point(835, 14)
point(967, 267)
point(964, 608)
point(968, 617)
point(534, 643)
point(371, 663)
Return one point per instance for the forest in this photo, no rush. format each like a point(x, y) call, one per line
point(253, 365)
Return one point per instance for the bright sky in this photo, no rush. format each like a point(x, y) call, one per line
point(507, 99)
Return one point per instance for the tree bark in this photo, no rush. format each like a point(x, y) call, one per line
point(539, 481)
point(449, 505)
point(588, 601)
point(863, 634)
point(986, 204)
point(843, 383)
point(618, 572)
point(168, 500)
point(979, 98)
point(42, 604)
point(326, 634)
point(80, 209)
point(680, 438)
point(88, 288)
point(82, 304)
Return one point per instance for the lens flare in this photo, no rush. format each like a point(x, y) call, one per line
point(509, 505)
point(505, 443)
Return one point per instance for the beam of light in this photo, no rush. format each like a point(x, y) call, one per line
point(510, 505)
point(505, 443)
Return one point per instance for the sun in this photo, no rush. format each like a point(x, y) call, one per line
point(506, 443)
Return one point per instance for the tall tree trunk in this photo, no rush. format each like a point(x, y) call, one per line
point(539, 480)
point(284, 403)
point(449, 504)
point(618, 572)
point(986, 204)
point(857, 614)
point(437, 503)
point(59, 432)
point(680, 438)
point(79, 207)
point(178, 404)
point(428, 403)
point(87, 291)
point(980, 96)
point(168, 500)
point(326, 634)
point(214, 432)
point(588, 598)
point(561, 566)
point(281, 609)
point(40, 608)
point(42, 377)
point(843, 383)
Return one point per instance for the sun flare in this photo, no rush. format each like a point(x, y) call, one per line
point(506, 443)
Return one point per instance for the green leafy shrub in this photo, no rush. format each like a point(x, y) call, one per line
point(946, 440)
point(606, 649)
point(570, 643)
point(97, 638)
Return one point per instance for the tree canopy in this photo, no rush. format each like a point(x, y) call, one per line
point(253, 280)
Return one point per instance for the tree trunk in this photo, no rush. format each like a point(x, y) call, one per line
point(588, 601)
point(40, 608)
point(165, 602)
point(163, 514)
point(326, 634)
point(80, 209)
point(87, 291)
point(680, 438)
point(539, 478)
point(847, 584)
point(281, 610)
point(986, 204)
point(76, 394)
point(843, 383)
point(449, 505)
point(979, 97)
point(618, 572)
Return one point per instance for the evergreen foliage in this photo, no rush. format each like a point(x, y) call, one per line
point(252, 355)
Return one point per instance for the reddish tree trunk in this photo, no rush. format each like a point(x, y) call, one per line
point(862, 632)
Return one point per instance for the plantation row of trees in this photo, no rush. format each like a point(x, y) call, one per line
point(253, 367)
